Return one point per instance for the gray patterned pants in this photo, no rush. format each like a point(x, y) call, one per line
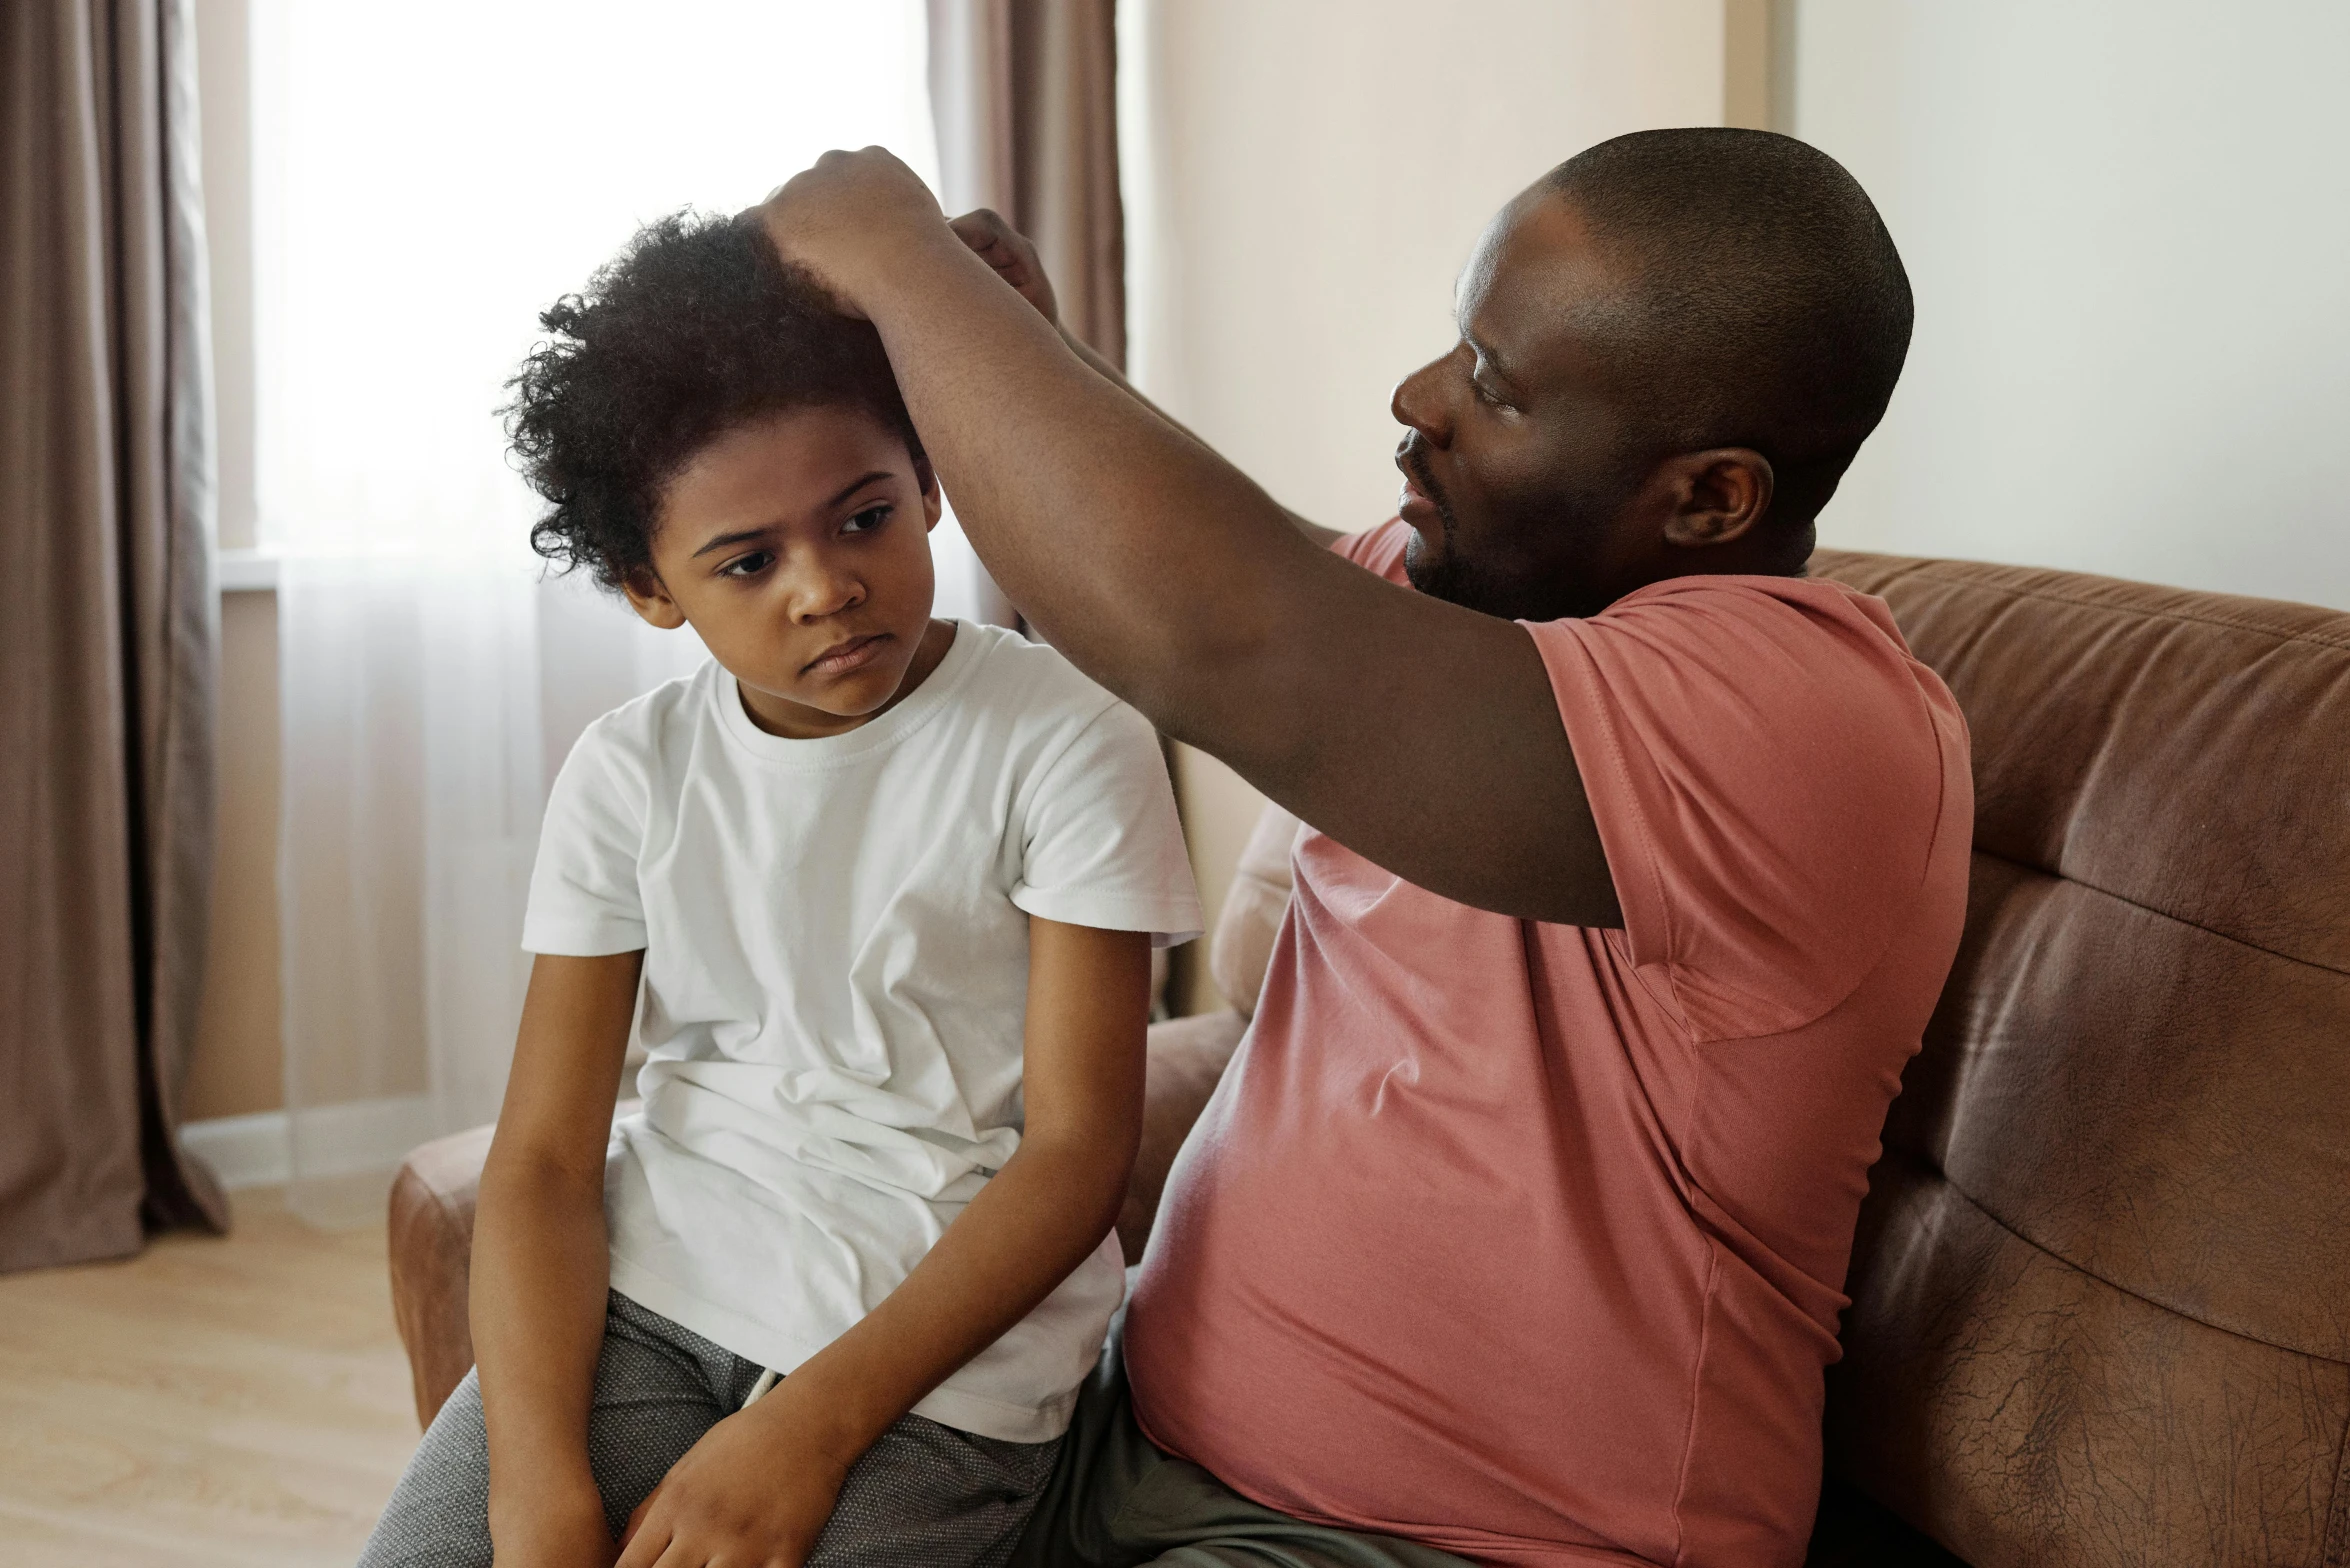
point(925, 1496)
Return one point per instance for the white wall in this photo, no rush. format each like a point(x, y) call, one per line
point(2128, 226)
point(1303, 180)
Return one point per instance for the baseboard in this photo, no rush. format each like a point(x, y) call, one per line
point(337, 1140)
point(243, 1151)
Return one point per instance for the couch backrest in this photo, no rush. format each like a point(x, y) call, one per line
point(2101, 1286)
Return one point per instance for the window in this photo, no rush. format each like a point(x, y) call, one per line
point(430, 175)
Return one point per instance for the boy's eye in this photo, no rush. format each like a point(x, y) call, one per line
point(749, 565)
point(867, 520)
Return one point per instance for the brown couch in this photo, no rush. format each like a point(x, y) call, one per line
point(2101, 1287)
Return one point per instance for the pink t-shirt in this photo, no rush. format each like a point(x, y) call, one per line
point(1528, 1241)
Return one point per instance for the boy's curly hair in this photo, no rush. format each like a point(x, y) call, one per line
point(695, 328)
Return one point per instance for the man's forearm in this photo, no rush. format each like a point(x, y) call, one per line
point(1320, 535)
point(1174, 538)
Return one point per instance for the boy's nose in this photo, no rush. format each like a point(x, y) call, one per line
point(820, 593)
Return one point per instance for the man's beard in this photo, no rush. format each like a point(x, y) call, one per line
point(1547, 596)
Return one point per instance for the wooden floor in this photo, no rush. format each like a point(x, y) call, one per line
point(239, 1400)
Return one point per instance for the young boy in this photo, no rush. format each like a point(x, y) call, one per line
point(876, 894)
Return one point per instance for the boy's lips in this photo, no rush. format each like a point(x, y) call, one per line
point(849, 657)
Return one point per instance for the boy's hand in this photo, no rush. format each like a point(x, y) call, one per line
point(1012, 255)
point(848, 215)
point(755, 1492)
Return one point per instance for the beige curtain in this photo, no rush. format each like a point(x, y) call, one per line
point(1025, 96)
point(110, 636)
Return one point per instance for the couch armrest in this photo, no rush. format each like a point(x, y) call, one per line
point(432, 1262)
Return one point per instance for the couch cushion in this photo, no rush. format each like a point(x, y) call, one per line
point(1243, 944)
point(2102, 1286)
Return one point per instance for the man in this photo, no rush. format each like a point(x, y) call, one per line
point(1517, 1229)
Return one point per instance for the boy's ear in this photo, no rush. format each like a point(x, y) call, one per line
point(650, 600)
point(933, 502)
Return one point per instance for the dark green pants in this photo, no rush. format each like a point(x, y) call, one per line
point(1117, 1502)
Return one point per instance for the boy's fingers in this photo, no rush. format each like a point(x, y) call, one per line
point(636, 1518)
point(640, 1547)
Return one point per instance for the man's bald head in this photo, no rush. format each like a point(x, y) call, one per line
point(1670, 348)
point(1765, 307)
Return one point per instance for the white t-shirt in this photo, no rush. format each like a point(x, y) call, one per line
point(835, 977)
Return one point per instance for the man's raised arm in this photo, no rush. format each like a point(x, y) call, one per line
point(1422, 735)
point(1014, 259)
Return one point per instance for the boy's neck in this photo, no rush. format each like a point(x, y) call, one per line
point(788, 720)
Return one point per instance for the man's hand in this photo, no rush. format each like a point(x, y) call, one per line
point(1012, 255)
point(847, 215)
point(755, 1492)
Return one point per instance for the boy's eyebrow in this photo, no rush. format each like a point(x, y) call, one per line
point(743, 535)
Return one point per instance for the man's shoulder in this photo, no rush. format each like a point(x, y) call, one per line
point(1807, 639)
point(1753, 595)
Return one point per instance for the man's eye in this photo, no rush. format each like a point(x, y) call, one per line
point(750, 565)
point(1485, 395)
point(867, 520)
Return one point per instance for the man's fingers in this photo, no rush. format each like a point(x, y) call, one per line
point(987, 238)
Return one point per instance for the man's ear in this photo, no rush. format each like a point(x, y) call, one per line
point(933, 501)
point(1717, 496)
point(650, 599)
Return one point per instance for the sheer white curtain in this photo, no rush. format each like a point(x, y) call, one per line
point(429, 176)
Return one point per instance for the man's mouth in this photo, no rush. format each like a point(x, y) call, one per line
point(849, 657)
point(1421, 501)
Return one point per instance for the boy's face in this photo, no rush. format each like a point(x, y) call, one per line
point(798, 547)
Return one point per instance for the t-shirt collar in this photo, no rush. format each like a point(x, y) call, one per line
point(725, 694)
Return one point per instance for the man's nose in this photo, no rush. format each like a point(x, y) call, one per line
point(1417, 403)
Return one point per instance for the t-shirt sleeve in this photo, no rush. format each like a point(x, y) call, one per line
point(1377, 549)
point(1766, 772)
point(584, 899)
point(1102, 846)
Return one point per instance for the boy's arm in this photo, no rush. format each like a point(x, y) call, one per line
point(541, 1260)
point(760, 1485)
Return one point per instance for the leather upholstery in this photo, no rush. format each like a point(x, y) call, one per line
point(2102, 1282)
point(432, 1262)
